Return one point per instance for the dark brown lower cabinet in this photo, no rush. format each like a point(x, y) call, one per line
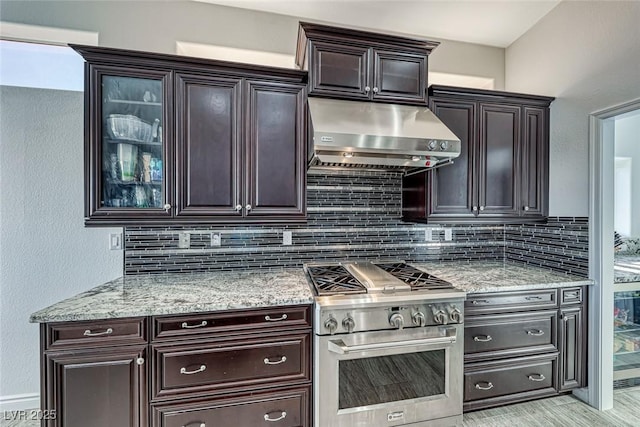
point(282, 408)
point(99, 388)
point(523, 345)
point(234, 368)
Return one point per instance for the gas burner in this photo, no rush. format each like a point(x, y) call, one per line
point(334, 279)
point(417, 279)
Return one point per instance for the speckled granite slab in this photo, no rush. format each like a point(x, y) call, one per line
point(626, 268)
point(492, 276)
point(182, 293)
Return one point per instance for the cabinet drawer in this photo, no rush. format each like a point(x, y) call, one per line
point(240, 322)
point(509, 378)
point(96, 333)
point(509, 334)
point(571, 296)
point(510, 301)
point(211, 367)
point(279, 409)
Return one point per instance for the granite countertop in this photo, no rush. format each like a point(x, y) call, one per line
point(133, 296)
point(626, 268)
point(496, 276)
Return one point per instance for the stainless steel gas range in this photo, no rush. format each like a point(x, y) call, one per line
point(388, 346)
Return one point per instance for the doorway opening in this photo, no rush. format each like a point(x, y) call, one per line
point(602, 213)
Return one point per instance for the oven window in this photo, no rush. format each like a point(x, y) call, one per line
point(392, 378)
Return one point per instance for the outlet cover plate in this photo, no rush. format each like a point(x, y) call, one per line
point(448, 234)
point(428, 235)
point(287, 238)
point(216, 239)
point(184, 240)
point(115, 241)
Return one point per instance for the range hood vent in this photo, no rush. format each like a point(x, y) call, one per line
point(353, 134)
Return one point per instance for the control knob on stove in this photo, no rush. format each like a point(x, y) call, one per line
point(331, 324)
point(439, 316)
point(419, 319)
point(396, 320)
point(348, 323)
point(454, 314)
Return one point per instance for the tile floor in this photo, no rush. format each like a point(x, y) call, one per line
point(562, 411)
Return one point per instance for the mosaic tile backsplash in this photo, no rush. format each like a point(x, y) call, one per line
point(351, 215)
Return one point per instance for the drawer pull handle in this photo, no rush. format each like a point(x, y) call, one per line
point(539, 377)
point(489, 386)
point(532, 298)
point(277, 362)
point(282, 416)
point(88, 333)
point(197, 371)
point(275, 319)
point(571, 295)
point(482, 338)
point(196, 424)
point(185, 325)
point(480, 301)
point(536, 332)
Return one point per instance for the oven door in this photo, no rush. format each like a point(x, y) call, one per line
point(388, 378)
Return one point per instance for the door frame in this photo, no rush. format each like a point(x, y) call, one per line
point(599, 393)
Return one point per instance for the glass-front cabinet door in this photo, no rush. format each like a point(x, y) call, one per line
point(129, 144)
point(626, 338)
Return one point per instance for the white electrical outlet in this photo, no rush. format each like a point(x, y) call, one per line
point(216, 239)
point(428, 235)
point(184, 240)
point(115, 241)
point(287, 237)
point(448, 234)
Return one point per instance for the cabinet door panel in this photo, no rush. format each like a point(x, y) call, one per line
point(96, 388)
point(452, 186)
point(339, 70)
point(534, 162)
point(276, 149)
point(498, 160)
point(209, 179)
point(399, 77)
point(571, 342)
point(127, 137)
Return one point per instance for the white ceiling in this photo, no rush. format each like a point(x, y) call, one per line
point(495, 23)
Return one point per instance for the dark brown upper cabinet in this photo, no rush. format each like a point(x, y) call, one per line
point(173, 140)
point(502, 172)
point(360, 65)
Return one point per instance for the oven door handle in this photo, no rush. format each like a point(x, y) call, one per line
point(338, 346)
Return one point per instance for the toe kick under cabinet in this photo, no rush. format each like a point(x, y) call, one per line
point(241, 368)
point(523, 345)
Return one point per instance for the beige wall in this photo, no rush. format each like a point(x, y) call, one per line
point(157, 25)
point(587, 55)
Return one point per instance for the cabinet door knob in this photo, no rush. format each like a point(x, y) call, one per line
point(238, 208)
point(526, 208)
point(376, 90)
point(248, 207)
point(367, 89)
point(481, 208)
point(167, 207)
point(475, 208)
point(140, 361)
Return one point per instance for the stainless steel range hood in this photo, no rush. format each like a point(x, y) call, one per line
point(381, 136)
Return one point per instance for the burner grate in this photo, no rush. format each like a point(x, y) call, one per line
point(417, 279)
point(334, 279)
